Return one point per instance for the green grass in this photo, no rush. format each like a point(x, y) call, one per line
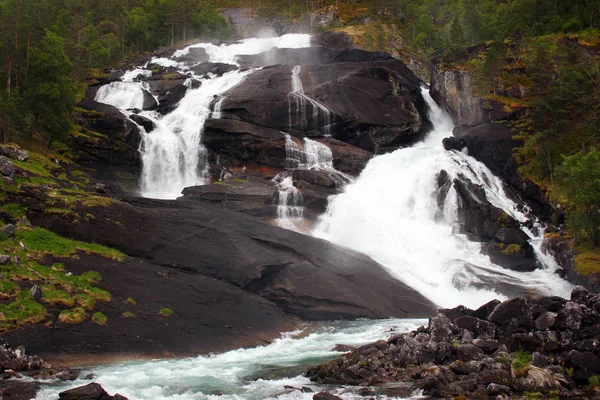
point(131, 301)
point(128, 314)
point(587, 260)
point(53, 297)
point(521, 362)
point(91, 276)
point(73, 316)
point(20, 313)
point(85, 300)
point(594, 381)
point(8, 289)
point(511, 249)
point(16, 210)
point(100, 318)
point(37, 164)
point(165, 312)
point(43, 240)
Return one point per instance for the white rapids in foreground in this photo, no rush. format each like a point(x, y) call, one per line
point(254, 374)
point(389, 213)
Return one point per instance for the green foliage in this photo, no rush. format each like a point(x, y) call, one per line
point(8, 289)
point(521, 362)
point(50, 92)
point(166, 312)
point(580, 179)
point(21, 312)
point(15, 210)
point(84, 300)
point(131, 301)
point(594, 381)
point(72, 316)
point(99, 318)
point(53, 296)
point(128, 314)
point(511, 249)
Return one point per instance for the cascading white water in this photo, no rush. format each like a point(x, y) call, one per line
point(290, 205)
point(173, 156)
point(239, 374)
point(297, 106)
point(310, 155)
point(390, 212)
point(229, 53)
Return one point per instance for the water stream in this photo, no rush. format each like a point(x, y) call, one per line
point(253, 374)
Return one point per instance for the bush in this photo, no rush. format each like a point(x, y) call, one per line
point(580, 177)
point(100, 318)
point(166, 312)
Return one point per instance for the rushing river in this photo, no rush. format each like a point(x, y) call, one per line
point(253, 374)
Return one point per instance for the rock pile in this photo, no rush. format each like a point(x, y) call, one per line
point(547, 345)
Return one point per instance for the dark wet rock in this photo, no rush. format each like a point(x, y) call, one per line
point(168, 92)
point(17, 360)
point(487, 345)
point(466, 352)
point(269, 276)
point(214, 68)
point(510, 309)
point(545, 322)
point(92, 391)
point(150, 102)
point(19, 391)
point(511, 256)
point(485, 310)
point(523, 341)
point(380, 108)
point(452, 143)
point(343, 348)
point(494, 389)
point(194, 55)
point(115, 149)
point(570, 316)
point(143, 121)
point(325, 396)
point(251, 197)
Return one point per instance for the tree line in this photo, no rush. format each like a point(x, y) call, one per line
point(47, 46)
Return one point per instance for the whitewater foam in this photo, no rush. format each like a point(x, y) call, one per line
point(391, 214)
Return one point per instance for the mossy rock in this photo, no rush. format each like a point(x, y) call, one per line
point(73, 316)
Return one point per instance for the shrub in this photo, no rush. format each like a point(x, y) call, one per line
point(165, 312)
point(100, 318)
point(595, 381)
point(73, 316)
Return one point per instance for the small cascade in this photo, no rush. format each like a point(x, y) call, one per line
point(297, 107)
point(290, 203)
point(311, 155)
point(173, 155)
point(123, 95)
point(391, 214)
point(216, 114)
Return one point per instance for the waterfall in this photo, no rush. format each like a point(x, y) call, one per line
point(173, 156)
point(311, 155)
point(297, 106)
point(391, 214)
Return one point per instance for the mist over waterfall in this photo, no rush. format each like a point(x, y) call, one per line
point(391, 213)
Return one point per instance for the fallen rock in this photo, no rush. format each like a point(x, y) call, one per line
point(7, 168)
point(14, 152)
point(91, 391)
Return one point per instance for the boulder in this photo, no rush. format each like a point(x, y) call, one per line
point(150, 102)
point(14, 152)
point(146, 123)
point(7, 168)
point(536, 380)
point(8, 230)
point(214, 68)
point(91, 391)
point(376, 106)
point(168, 92)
